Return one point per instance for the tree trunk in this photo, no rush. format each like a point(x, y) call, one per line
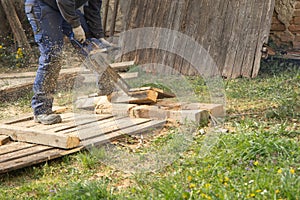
point(15, 24)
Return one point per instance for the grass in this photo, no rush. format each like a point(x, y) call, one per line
point(259, 158)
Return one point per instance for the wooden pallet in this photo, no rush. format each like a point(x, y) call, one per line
point(35, 143)
point(16, 155)
point(74, 129)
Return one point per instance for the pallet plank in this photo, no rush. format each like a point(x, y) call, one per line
point(39, 137)
point(73, 130)
point(95, 131)
point(117, 134)
point(72, 123)
point(23, 152)
point(35, 159)
point(14, 146)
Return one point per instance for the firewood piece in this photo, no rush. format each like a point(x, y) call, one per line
point(136, 97)
point(151, 112)
point(122, 66)
point(186, 116)
point(161, 93)
point(216, 110)
point(118, 109)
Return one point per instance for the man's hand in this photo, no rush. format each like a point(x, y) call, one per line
point(79, 34)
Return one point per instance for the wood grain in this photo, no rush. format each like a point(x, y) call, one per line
point(231, 32)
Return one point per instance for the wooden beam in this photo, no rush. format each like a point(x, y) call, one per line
point(37, 137)
point(150, 112)
point(122, 66)
point(216, 110)
point(138, 97)
point(186, 116)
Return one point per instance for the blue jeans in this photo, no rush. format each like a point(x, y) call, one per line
point(49, 28)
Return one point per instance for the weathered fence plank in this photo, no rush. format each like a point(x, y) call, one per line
point(231, 31)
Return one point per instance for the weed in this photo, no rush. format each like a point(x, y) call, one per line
point(85, 190)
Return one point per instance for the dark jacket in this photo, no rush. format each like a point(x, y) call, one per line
point(91, 10)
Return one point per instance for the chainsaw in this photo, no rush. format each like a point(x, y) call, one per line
point(97, 55)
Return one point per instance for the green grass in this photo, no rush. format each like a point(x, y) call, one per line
point(259, 158)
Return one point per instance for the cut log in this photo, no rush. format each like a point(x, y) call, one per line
point(4, 139)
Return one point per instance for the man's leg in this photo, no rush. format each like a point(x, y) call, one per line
point(50, 46)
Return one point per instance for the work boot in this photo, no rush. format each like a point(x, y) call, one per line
point(48, 119)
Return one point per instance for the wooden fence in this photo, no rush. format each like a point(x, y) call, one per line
point(232, 31)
